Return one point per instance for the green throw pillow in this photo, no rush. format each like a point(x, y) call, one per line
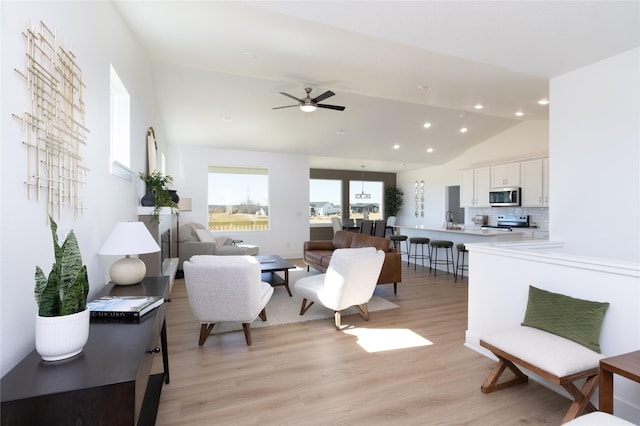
point(574, 319)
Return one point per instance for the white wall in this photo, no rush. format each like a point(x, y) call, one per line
point(595, 156)
point(526, 140)
point(97, 37)
point(288, 193)
point(595, 197)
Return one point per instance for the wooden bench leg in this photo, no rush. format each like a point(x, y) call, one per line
point(491, 383)
point(582, 398)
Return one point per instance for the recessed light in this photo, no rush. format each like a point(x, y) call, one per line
point(396, 146)
point(478, 106)
point(426, 125)
point(543, 101)
point(340, 131)
point(463, 130)
point(424, 87)
point(519, 113)
point(429, 150)
point(250, 55)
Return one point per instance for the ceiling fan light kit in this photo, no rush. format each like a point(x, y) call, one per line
point(307, 104)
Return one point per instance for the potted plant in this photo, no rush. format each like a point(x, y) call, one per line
point(158, 195)
point(62, 324)
point(392, 200)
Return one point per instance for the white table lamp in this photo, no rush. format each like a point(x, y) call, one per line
point(128, 238)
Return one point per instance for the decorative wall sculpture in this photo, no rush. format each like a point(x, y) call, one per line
point(54, 125)
point(416, 199)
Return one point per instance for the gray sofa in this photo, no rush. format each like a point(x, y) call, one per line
point(195, 239)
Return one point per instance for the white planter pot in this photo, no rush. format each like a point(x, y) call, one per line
point(62, 337)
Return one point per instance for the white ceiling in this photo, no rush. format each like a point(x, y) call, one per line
point(218, 67)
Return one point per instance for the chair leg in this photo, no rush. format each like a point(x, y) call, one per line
point(336, 316)
point(363, 311)
point(205, 331)
point(395, 288)
point(263, 314)
point(246, 327)
point(305, 306)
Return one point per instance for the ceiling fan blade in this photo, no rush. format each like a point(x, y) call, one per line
point(291, 96)
point(336, 107)
point(288, 106)
point(324, 96)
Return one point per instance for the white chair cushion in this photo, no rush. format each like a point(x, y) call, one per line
point(598, 419)
point(555, 354)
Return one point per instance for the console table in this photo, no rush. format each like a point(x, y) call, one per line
point(108, 383)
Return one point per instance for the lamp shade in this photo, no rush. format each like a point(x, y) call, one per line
point(129, 238)
point(184, 205)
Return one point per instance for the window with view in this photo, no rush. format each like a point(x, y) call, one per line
point(119, 100)
point(324, 200)
point(366, 200)
point(238, 198)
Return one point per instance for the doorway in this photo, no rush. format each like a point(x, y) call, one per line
point(453, 203)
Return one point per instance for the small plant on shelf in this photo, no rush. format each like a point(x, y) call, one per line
point(157, 189)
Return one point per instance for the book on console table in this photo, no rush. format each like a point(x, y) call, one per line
point(126, 308)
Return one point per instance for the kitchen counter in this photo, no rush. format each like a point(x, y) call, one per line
point(499, 235)
point(466, 236)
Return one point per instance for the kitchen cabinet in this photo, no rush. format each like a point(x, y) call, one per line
point(505, 175)
point(474, 187)
point(535, 182)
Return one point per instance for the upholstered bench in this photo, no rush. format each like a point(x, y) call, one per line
point(538, 345)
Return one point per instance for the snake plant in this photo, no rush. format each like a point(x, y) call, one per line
point(65, 291)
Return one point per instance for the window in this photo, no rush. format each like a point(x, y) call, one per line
point(120, 155)
point(324, 200)
point(366, 200)
point(238, 198)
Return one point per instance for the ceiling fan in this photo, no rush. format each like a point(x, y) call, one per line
point(307, 104)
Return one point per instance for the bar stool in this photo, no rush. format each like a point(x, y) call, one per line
point(418, 241)
point(441, 244)
point(461, 266)
point(397, 244)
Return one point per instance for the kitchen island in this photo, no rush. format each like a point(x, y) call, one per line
point(467, 236)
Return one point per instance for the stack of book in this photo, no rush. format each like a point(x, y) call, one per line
point(126, 308)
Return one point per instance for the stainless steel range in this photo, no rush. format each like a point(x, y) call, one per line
point(507, 222)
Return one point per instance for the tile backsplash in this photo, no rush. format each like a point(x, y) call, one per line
point(538, 216)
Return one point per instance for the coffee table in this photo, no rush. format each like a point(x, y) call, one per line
point(269, 265)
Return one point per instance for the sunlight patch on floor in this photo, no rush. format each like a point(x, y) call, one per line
point(387, 339)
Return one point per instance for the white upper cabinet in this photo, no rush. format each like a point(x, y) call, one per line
point(535, 183)
point(504, 175)
point(474, 187)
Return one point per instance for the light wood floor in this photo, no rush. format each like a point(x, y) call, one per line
point(311, 374)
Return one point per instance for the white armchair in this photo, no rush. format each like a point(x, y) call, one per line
point(349, 281)
point(226, 289)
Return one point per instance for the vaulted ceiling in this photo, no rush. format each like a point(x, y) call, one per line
point(218, 68)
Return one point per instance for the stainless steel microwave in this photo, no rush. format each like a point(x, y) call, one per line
point(499, 197)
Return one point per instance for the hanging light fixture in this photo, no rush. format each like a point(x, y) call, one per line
point(362, 195)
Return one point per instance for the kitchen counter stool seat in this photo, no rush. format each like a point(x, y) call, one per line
point(461, 266)
point(414, 242)
point(397, 243)
point(435, 246)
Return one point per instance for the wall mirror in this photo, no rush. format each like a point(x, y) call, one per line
point(152, 151)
